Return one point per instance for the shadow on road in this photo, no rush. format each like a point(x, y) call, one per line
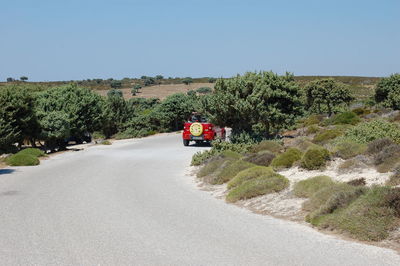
point(6, 171)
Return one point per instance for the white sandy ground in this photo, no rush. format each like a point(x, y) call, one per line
point(286, 205)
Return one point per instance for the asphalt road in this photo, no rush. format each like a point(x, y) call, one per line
point(131, 204)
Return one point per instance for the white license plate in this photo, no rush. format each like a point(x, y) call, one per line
point(197, 138)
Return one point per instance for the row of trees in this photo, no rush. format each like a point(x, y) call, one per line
point(23, 78)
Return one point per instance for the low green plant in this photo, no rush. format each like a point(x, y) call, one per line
point(201, 157)
point(32, 151)
point(349, 118)
point(312, 120)
point(312, 129)
point(106, 142)
point(258, 186)
point(327, 135)
point(98, 135)
point(376, 129)
point(219, 145)
point(388, 158)
point(248, 174)
point(22, 160)
point(315, 158)
point(286, 159)
point(267, 145)
point(361, 111)
point(370, 216)
point(263, 158)
point(231, 170)
point(210, 167)
point(306, 188)
point(351, 165)
point(349, 149)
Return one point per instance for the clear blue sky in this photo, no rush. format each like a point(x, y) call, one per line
point(80, 39)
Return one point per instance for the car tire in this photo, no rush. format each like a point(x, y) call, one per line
point(185, 142)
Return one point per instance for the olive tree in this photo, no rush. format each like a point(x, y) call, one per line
point(326, 94)
point(261, 102)
point(387, 91)
point(17, 117)
point(187, 80)
point(116, 84)
point(81, 109)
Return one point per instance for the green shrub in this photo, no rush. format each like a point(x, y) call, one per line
point(378, 145)
point(258, 186)
point(286, 159)
point(32, 151)
point(230, 154)
point(303, 144)
point(349, 118)
point(201, 157)
point(388, 158)
point(106, 142)
point(218, 145)
point(312, 120)
point(357, 182)
point(210, 167)
point(98, 135)
point(263, 158)
point(370, 216)
point(22, 160)
point(231, 170)
point(267, 145)
point(373, 130)
point(349, 149)
point(361, 111)
point(315, 158)
point(327, 135)
point(306, 188)
point(204, 90)
point(248, 174)
point(388, 90)
point(351, 165)
point(312, 129)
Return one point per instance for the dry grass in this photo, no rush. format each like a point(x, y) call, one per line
point(160, 91)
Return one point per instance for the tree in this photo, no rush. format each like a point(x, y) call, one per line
point(23, 78)
point(10, 79)
point(81, 109)
point(255, 103)
point(116, 84)
point(148, 81)
point(117, 112)
point(187, 80)
point(158, 77)
point(212, 80)
point(387, 91)
point(17, 116)
point(55, 128)
point(114, 92)
point(326, 93)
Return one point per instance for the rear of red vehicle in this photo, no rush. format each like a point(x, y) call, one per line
point(201, 132)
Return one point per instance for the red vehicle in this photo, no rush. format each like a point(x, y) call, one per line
point(198, 129)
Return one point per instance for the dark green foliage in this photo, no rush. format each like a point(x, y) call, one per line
point(387, 91)
point(312, 120)
point(191, 93)
point(159, 77)
point(286, 159)
point(373, 130)
point(349, 118)
point(211, 80)
point(68, 111)
point(23, 78)
point(116, 84)
point(255, 102)
point(22, 160)
point(148, 81)
point(114, 93)
point(306, 188)
point(315, 158)
point(204, 90)
point(326, 93)
point(187, 81)
point(17, 117)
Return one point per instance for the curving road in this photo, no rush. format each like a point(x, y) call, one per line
point(131, 204)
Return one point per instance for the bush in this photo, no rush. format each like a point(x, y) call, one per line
point(286, 159)
point(306, 188)
point(377, 129)
point(106, 142)
point(22, 160)
point(315, 158)
point(357, 182)
point(370, 216)
point(388, 158)
point(267, 145)
point(349, 149)
point(378, 145)
point(201, 157)
point(204, 90)
point(210, 167)
point(351, 165)
point(248, 174)
point(263, 158)
point(303, 144)
point(33, 152)
point(361, 111)
point(388, 90)
point(261, 185)
point(312, 129)
point(98, 135)
point(219, 146)
point(327, 135)
point(349, 118)
point(313, 120)
point(231, 170)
